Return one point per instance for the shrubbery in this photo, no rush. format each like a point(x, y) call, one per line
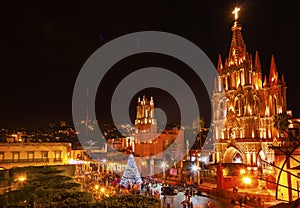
point(129, 201)
point(46, 187)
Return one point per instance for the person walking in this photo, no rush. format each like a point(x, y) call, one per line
point(208, 204)
point(236, 189)
point(164, 201)
point(232, 202)
point(241, 201)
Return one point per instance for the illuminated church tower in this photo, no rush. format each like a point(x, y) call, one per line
point(148, 141)
point(243, 115)
point(145, 121)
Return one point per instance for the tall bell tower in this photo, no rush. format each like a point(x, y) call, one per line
point(145, 121)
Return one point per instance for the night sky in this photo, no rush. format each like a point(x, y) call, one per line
point(45, 43)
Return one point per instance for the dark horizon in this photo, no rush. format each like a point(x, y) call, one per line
point(45, 45)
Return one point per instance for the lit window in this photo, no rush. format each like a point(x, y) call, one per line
point(57, 156)
point(44, 156)
point(30, 156)
point(16, 156)
point(1, 156)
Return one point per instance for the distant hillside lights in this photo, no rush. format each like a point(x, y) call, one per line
point(53, 132)
point(14, 137)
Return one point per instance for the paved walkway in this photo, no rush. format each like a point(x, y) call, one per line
point(198, 201)
point(266, 196)
point(209, 194)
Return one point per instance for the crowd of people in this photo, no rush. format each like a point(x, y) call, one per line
point(187, 203)
point(111, 182)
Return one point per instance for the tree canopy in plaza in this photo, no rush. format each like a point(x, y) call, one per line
point(46, 187)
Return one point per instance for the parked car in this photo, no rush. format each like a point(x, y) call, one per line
point(169, 190)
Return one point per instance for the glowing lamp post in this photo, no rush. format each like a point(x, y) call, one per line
point(141, 167)
point(242, 171)
point(195, 170)
point(247, 180)
point(22, 179)
point(163, 165)
point(96, 188)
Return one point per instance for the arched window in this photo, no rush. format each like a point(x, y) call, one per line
point(256, 106)
point(223, 108)
point(238, 106)
point(274, 105)
point(237, 158)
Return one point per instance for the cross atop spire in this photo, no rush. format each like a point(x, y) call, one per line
point(236, 13)
point(238, 51)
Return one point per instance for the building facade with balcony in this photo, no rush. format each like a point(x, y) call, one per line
point(33, 154)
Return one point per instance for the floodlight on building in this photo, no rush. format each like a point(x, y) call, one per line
point(22, 178)
point(163, 164)
point(194, 168)
point(247, 180)
point(242, 171)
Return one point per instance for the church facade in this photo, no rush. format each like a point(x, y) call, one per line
point(244, 105)
point(148, 141)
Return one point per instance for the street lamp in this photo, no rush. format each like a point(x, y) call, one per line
point(247, 180)
point(96, 187)
point(242, 171)
point(141, 168)
point(163, 165)
point(195, 170)
point(22, 179)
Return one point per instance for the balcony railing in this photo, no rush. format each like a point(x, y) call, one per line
point(45, 160)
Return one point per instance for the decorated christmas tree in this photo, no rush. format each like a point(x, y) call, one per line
point(131, 174)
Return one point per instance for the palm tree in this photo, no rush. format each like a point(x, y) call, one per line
point(281, 123)
point(198, 122)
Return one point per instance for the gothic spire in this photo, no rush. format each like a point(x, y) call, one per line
point(220, 65)
point(273, 72)
point(251, 61)
point(238, 51)
point(265, 82)
point(215, 84)
point(283, 80)
point(257, 63)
